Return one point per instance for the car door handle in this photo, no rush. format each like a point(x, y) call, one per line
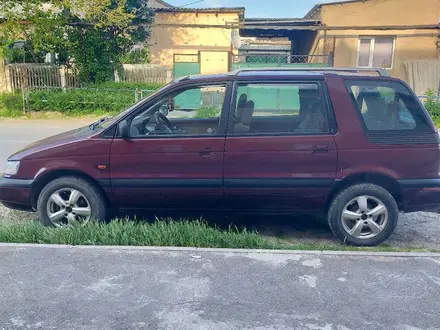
point(319, 149)
point(207, 153)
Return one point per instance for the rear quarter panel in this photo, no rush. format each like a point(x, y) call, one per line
point(358, 155)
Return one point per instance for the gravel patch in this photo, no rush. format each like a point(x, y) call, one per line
point(420, 229)
point(12, 216)
point(414, 230)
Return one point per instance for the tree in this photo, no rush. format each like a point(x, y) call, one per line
point(95, 34)
point(37, 24)
point(105, 33)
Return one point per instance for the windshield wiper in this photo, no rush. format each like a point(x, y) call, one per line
point(96, 123)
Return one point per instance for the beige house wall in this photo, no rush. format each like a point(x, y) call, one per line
point(166, 40)
point(410, 44)
point(214, 62)
point(380, 12)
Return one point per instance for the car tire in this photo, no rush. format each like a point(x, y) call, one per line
point(363, 215)
point(79, 199)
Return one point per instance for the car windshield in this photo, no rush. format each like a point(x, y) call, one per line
point(105, 122)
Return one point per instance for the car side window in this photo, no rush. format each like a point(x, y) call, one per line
point(387, 106)
point(194, 111)
point(279, 108)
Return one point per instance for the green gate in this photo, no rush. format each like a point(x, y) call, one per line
point(185, 65)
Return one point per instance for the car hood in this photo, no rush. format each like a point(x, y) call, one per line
point(53, 141)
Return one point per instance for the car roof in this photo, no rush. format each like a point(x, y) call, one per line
point(274, 73)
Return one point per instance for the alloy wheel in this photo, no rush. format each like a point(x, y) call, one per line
point(67, 207)
point(364, 217)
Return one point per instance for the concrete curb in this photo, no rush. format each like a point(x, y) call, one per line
point(218, 250)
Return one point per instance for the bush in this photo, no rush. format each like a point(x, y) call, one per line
point(127, 85)
point(11, 105)
point(94, 99)
point(207, 112)
point(81, 101)
point(432, 105)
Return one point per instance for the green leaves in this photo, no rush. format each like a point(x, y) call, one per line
point(94, 34)
point(433, 105)
point(137, 57)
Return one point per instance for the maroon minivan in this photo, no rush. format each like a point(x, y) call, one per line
point(355, 144)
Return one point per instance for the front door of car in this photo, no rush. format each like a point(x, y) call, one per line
point(172, 156)
point(280, 153)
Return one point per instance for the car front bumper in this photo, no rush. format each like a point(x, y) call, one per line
point(15, 193)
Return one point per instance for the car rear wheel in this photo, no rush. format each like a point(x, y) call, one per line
point(70, 200)
point(363, 215)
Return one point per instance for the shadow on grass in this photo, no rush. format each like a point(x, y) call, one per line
point(292, 229)
point(192, 230)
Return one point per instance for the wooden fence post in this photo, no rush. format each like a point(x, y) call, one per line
point(63, 78)
point(116, 73)
point(8, 79)
point(169, 76)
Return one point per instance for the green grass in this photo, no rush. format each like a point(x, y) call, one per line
point(162, 233)
point(124, 232)
point(11, 105)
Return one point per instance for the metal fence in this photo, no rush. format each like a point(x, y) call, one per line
point(279, 60)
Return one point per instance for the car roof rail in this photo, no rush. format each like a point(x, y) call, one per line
point(379, 71)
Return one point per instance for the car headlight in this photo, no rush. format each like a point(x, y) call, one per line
point(11, 167)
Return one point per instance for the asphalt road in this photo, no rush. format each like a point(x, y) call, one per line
point(15, 134)
point(86, 288)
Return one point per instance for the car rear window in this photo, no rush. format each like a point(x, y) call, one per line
point(387, 106)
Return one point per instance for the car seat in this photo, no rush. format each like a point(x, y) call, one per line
point(314, 120)
point(242, 100)
point(245, 124)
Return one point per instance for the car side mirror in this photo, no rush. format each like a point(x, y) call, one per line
point(124, 130)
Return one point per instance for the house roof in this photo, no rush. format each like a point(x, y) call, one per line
point(159, 4)
point(201, 10)
point(259, 19)
point(317, 7)
point(280, 21)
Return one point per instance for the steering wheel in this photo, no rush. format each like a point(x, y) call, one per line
point(143, 125)
point(140, 124)
point(162, 120)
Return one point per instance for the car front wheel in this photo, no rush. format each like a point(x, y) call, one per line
point(70, 200)
point(363, 215)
